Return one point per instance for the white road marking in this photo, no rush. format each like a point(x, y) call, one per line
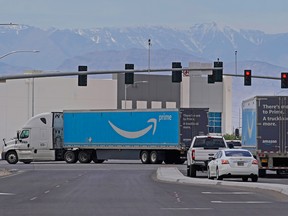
point(34, 198)
point(241, 202)
point(6, 194)
point(185, 209)
point(228, 193)
point(57, 186)
point(46, 192)
point(177, 197)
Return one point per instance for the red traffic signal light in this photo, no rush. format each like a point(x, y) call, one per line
point(247, 77)
point(284, 80)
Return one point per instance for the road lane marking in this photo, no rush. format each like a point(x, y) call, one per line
point(6, 194)
point(185, 209)
point(34, 198)
point(46, 192)
point(228, 193)
point(240, 202)
point(177, 197)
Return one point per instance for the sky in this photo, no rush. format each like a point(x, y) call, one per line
point(269, 16)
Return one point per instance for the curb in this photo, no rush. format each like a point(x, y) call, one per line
point(172, 174)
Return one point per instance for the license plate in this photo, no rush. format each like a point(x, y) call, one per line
point(240, 163)
point(264, 160)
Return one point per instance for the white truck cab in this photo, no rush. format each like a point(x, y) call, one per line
point(36, 140)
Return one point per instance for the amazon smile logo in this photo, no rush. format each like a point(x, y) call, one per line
point(135, 134)
point(250, 126)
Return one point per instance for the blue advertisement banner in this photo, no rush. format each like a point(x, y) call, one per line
point(249, 127)
point(129, 128)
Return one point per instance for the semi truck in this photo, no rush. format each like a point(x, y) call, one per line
point(152, 135)
point(264, 131)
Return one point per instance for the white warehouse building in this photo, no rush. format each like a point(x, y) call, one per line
point(21, 99)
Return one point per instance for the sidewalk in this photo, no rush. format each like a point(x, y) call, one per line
point(172, 174)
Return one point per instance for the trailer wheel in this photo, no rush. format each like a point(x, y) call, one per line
point(154, 158)
point(70, 156)
point(84, 156)
point(145, 157)
point(12, 157)
point(95, 159)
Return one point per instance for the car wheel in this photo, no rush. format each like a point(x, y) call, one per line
point(218, 177)
point(209, 174)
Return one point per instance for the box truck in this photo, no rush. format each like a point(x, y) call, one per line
point(264, 131)
point(153, 136)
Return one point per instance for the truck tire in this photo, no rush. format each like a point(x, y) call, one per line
point(154, 158)
point(70, 157)
point(27, 161)
point(95, 159)
point(84, 156)
point(262, 173)
point(188, 170)
point(12, 157)
point(145, 157)
point(192, 171)
point(254, 178)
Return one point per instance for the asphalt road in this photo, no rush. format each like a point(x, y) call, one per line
point(122, 188)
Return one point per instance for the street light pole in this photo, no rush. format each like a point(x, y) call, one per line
point(149, 46)
point(126, 86)
point(236, 62)
point(18, 51)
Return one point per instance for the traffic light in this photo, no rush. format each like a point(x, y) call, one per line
point(82, 79)
point(129, 77)
point(284, 80)
point(218, 71)
point(176, 75)
point(247, 77)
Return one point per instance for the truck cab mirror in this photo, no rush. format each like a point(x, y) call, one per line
point(18, 135)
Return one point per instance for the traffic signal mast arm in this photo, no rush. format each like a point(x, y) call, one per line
point(74, 73)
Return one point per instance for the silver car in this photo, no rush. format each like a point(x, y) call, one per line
point(236, 163)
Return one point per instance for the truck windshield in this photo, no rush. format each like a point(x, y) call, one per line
point(24, 134)
point(209, 142)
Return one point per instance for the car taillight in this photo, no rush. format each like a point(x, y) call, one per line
point(224, 161)
point(254, 162)
point(193, 154)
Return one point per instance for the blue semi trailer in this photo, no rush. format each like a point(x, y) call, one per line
point(264, 131)
point(153, 136)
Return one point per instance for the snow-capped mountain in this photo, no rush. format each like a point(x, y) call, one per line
point(203, 41)
point(111, 48)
